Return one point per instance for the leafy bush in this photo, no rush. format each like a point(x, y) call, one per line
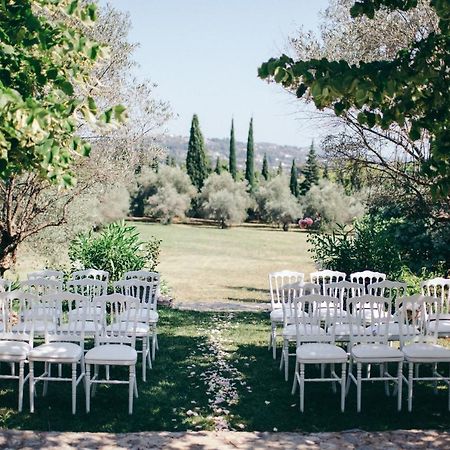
point(224, 199)
point(117, 249)
point(276, 204)
point(162, 195)
point(328, 203)
point(385, 245)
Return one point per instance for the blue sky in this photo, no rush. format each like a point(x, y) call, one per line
point(204, 55)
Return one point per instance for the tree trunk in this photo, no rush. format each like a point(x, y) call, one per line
point(8, 251)
point(286, 226)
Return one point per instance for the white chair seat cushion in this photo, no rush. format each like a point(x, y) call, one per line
point(320, 352)
point(142, 329)
point(149, 316)
point(56, 351)
point(426, 352)
point(342, 330)
point(89, 327)
point(113, 354)
point(14, 350)
point(277, 315)
point(443, 327)
point(290, 332)
point(376, 352)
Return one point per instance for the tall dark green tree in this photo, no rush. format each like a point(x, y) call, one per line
point(232, 157)
point(196, 160)
point(265, 168)
point(250, 162)
point(310, 171)
point(326, 174)
point(280, 169)
point(218, 168)
point(293, 183)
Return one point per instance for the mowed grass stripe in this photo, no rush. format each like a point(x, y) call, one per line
point(205, 263)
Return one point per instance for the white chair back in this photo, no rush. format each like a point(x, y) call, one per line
point(41, 286)
point(143, 275)
point(87, 287)
point(367, 277)
point(94, 274)
point(344, 290)
point(143, 290)
point(387, 288)
point(324, 277)
point(5, 285)
point(279, 279)
point(415, 313)
point(120, 325)
point(438, 288)
point(46, 274)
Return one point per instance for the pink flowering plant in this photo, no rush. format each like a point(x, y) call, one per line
point(306, 223)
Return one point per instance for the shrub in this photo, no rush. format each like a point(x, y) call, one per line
point(328, 203)
point(276, 204)
point(117, 249)
point(224, 199)
point(162, 195)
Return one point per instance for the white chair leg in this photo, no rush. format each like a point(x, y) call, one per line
point(136, 388)
point(48, 373)
point(410, 385)
point(343, 387)
point(60, 370)
point(21, 383)
point(149, 355)
point(294, 384)
point(286, 362)
point(302, 387)
point(399, 385)
point(282, 356)
point(107, 372)
point(435, 385)
point(131, 390)
point(274, 341)
point(87, 378)
point(31, 382)
point(144, 358)
point(74, 388)
point(386, 383)
point(358, 386)
point(333, 383)
point(348, 383)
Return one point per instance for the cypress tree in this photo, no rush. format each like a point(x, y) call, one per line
point(232, 157)
point(325, 174)
point(310, 171)
point(265, 168)
point(280, 169)
point(293, 183)
point(218, 168)
point(250, 163)
point(196, 161)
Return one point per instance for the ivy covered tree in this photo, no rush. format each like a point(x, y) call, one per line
point(401, 93)
point(250, 161)
point(196, 160)
point(265, 168)
point(232, 156)
point(310, 171)
point(293, 182)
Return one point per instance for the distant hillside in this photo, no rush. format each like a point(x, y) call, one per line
point(177, 147)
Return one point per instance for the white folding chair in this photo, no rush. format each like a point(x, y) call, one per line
point(369, 346)
point(64, 343)
point(324, 277)
point(41, 286)
point(439, 288)
point(147, 316)
point(367, 277)
point(315, 342)
point(47, 274)
point(114, 343)
point(94, 274)
point(387, 288)
point(145, 275)
point(16, 338)
point(418, 340)
point(276, 280)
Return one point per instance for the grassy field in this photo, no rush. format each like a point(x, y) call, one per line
point(205, 263)
point(213, 371)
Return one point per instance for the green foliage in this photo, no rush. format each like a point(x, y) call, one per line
point(224, 199)
point(43, 63)
point(383, 245)
point(405, 90)
point(310, 171)
point(232, 157)
point(218, 168)
point(293, 182)
point(265, 168)
point(276, 204)
point(197, 165)
point(117, 249)
point(250, 163)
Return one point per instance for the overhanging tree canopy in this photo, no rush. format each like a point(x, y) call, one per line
point(412, 89)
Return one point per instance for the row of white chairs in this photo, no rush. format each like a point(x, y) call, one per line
point(64, 317)
point(370, 318)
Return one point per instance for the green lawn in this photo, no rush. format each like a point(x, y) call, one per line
point(205, 263)
point(213, 370)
